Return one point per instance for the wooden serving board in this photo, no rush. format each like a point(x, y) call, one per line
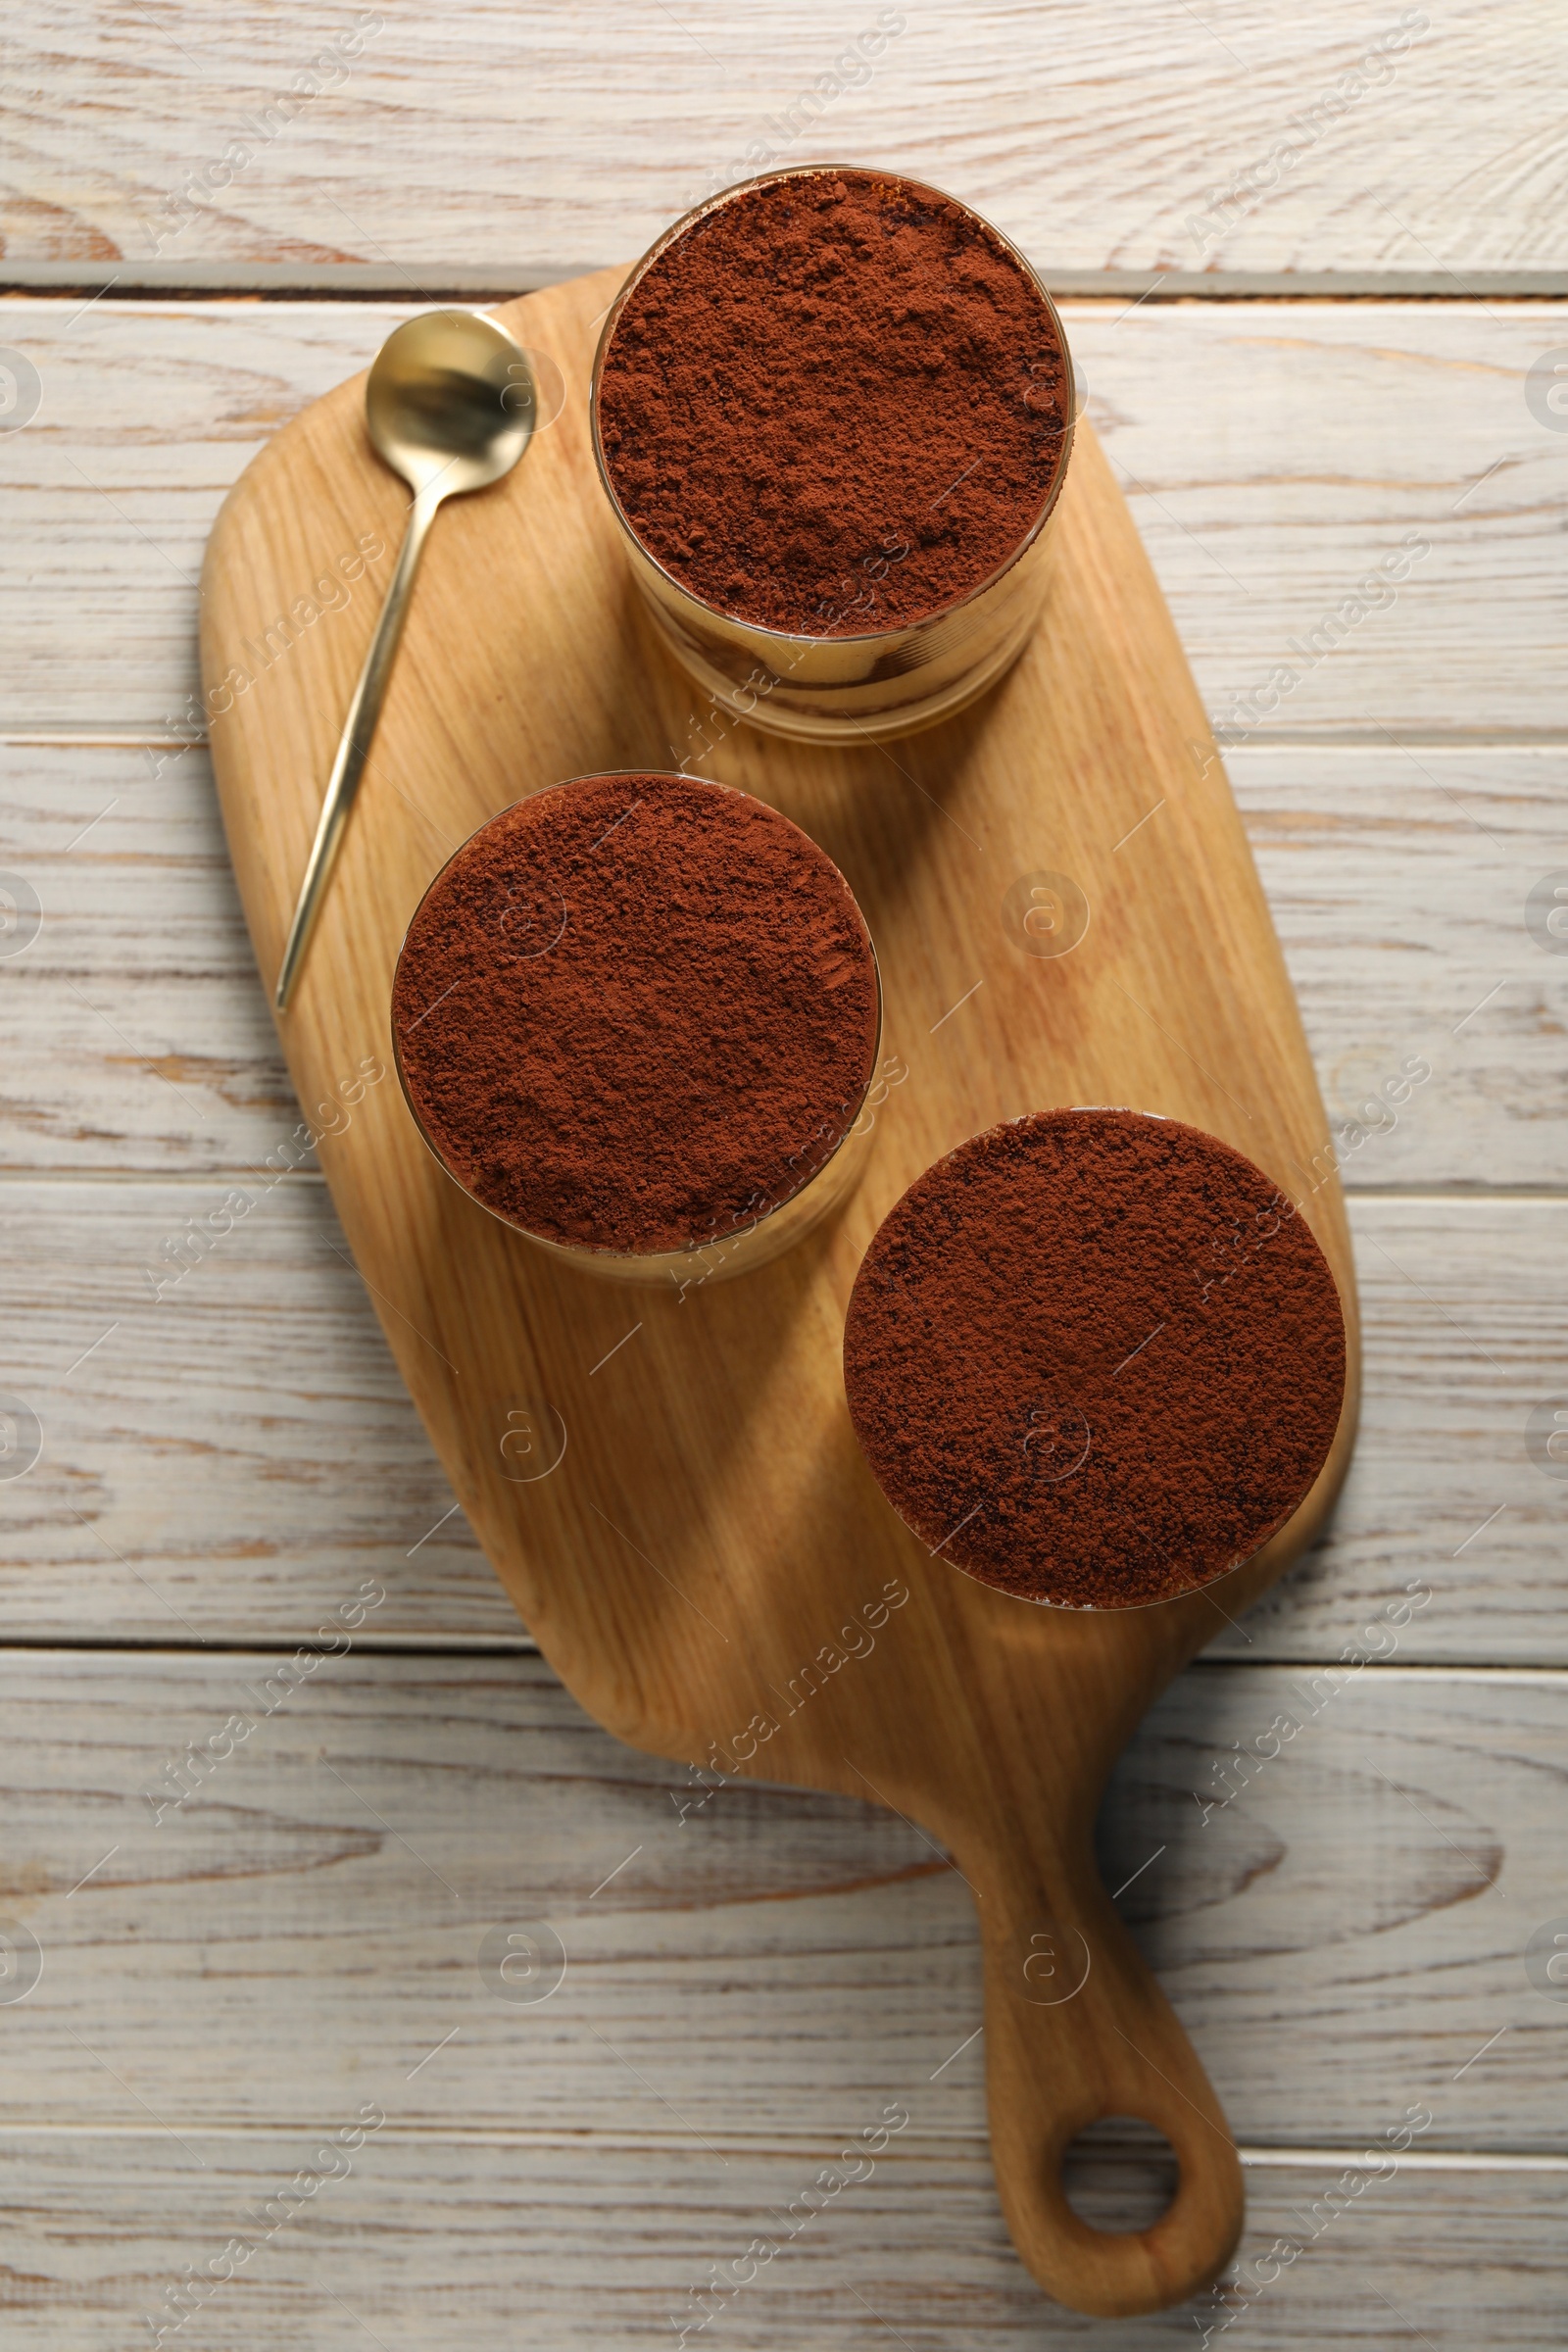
point(708, 1564)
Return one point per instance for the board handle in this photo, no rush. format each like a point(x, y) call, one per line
point(1077, 2030)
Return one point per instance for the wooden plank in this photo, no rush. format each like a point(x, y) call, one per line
point(600, 2243)
point(1396, 878)
point(245, 1446)
point(141, 1035)
point(1273, 454)
point(1098, 139)
point(110, 511)
point(305, 1932)
point(185, 1475)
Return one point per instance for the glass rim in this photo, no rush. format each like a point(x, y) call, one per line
point(589, 1254)
point(796, 637)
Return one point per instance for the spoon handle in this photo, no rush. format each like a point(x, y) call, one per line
point(359, 730)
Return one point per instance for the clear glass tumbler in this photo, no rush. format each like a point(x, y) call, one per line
point(796, 1195)
point(843, 687)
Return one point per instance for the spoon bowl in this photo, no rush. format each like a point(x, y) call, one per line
point(449, 402)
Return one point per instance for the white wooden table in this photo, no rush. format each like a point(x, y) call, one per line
point(231, 1981)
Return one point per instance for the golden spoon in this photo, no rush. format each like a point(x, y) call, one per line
point(450, 403)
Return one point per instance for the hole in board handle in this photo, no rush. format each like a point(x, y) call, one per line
point(1119, 2175)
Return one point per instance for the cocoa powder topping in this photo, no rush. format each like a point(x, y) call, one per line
point(633, 1009)
point(1094, 1358)
point(834, 405)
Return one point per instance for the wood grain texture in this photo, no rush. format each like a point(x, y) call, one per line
point(1094, 136)
point(1272, 454)
point(601, 2244)
point(232, 1458)
point(1398, 880)
point(1340, 1942)
point(1397, 877)
point(250, 1448)
point(681, 1628)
